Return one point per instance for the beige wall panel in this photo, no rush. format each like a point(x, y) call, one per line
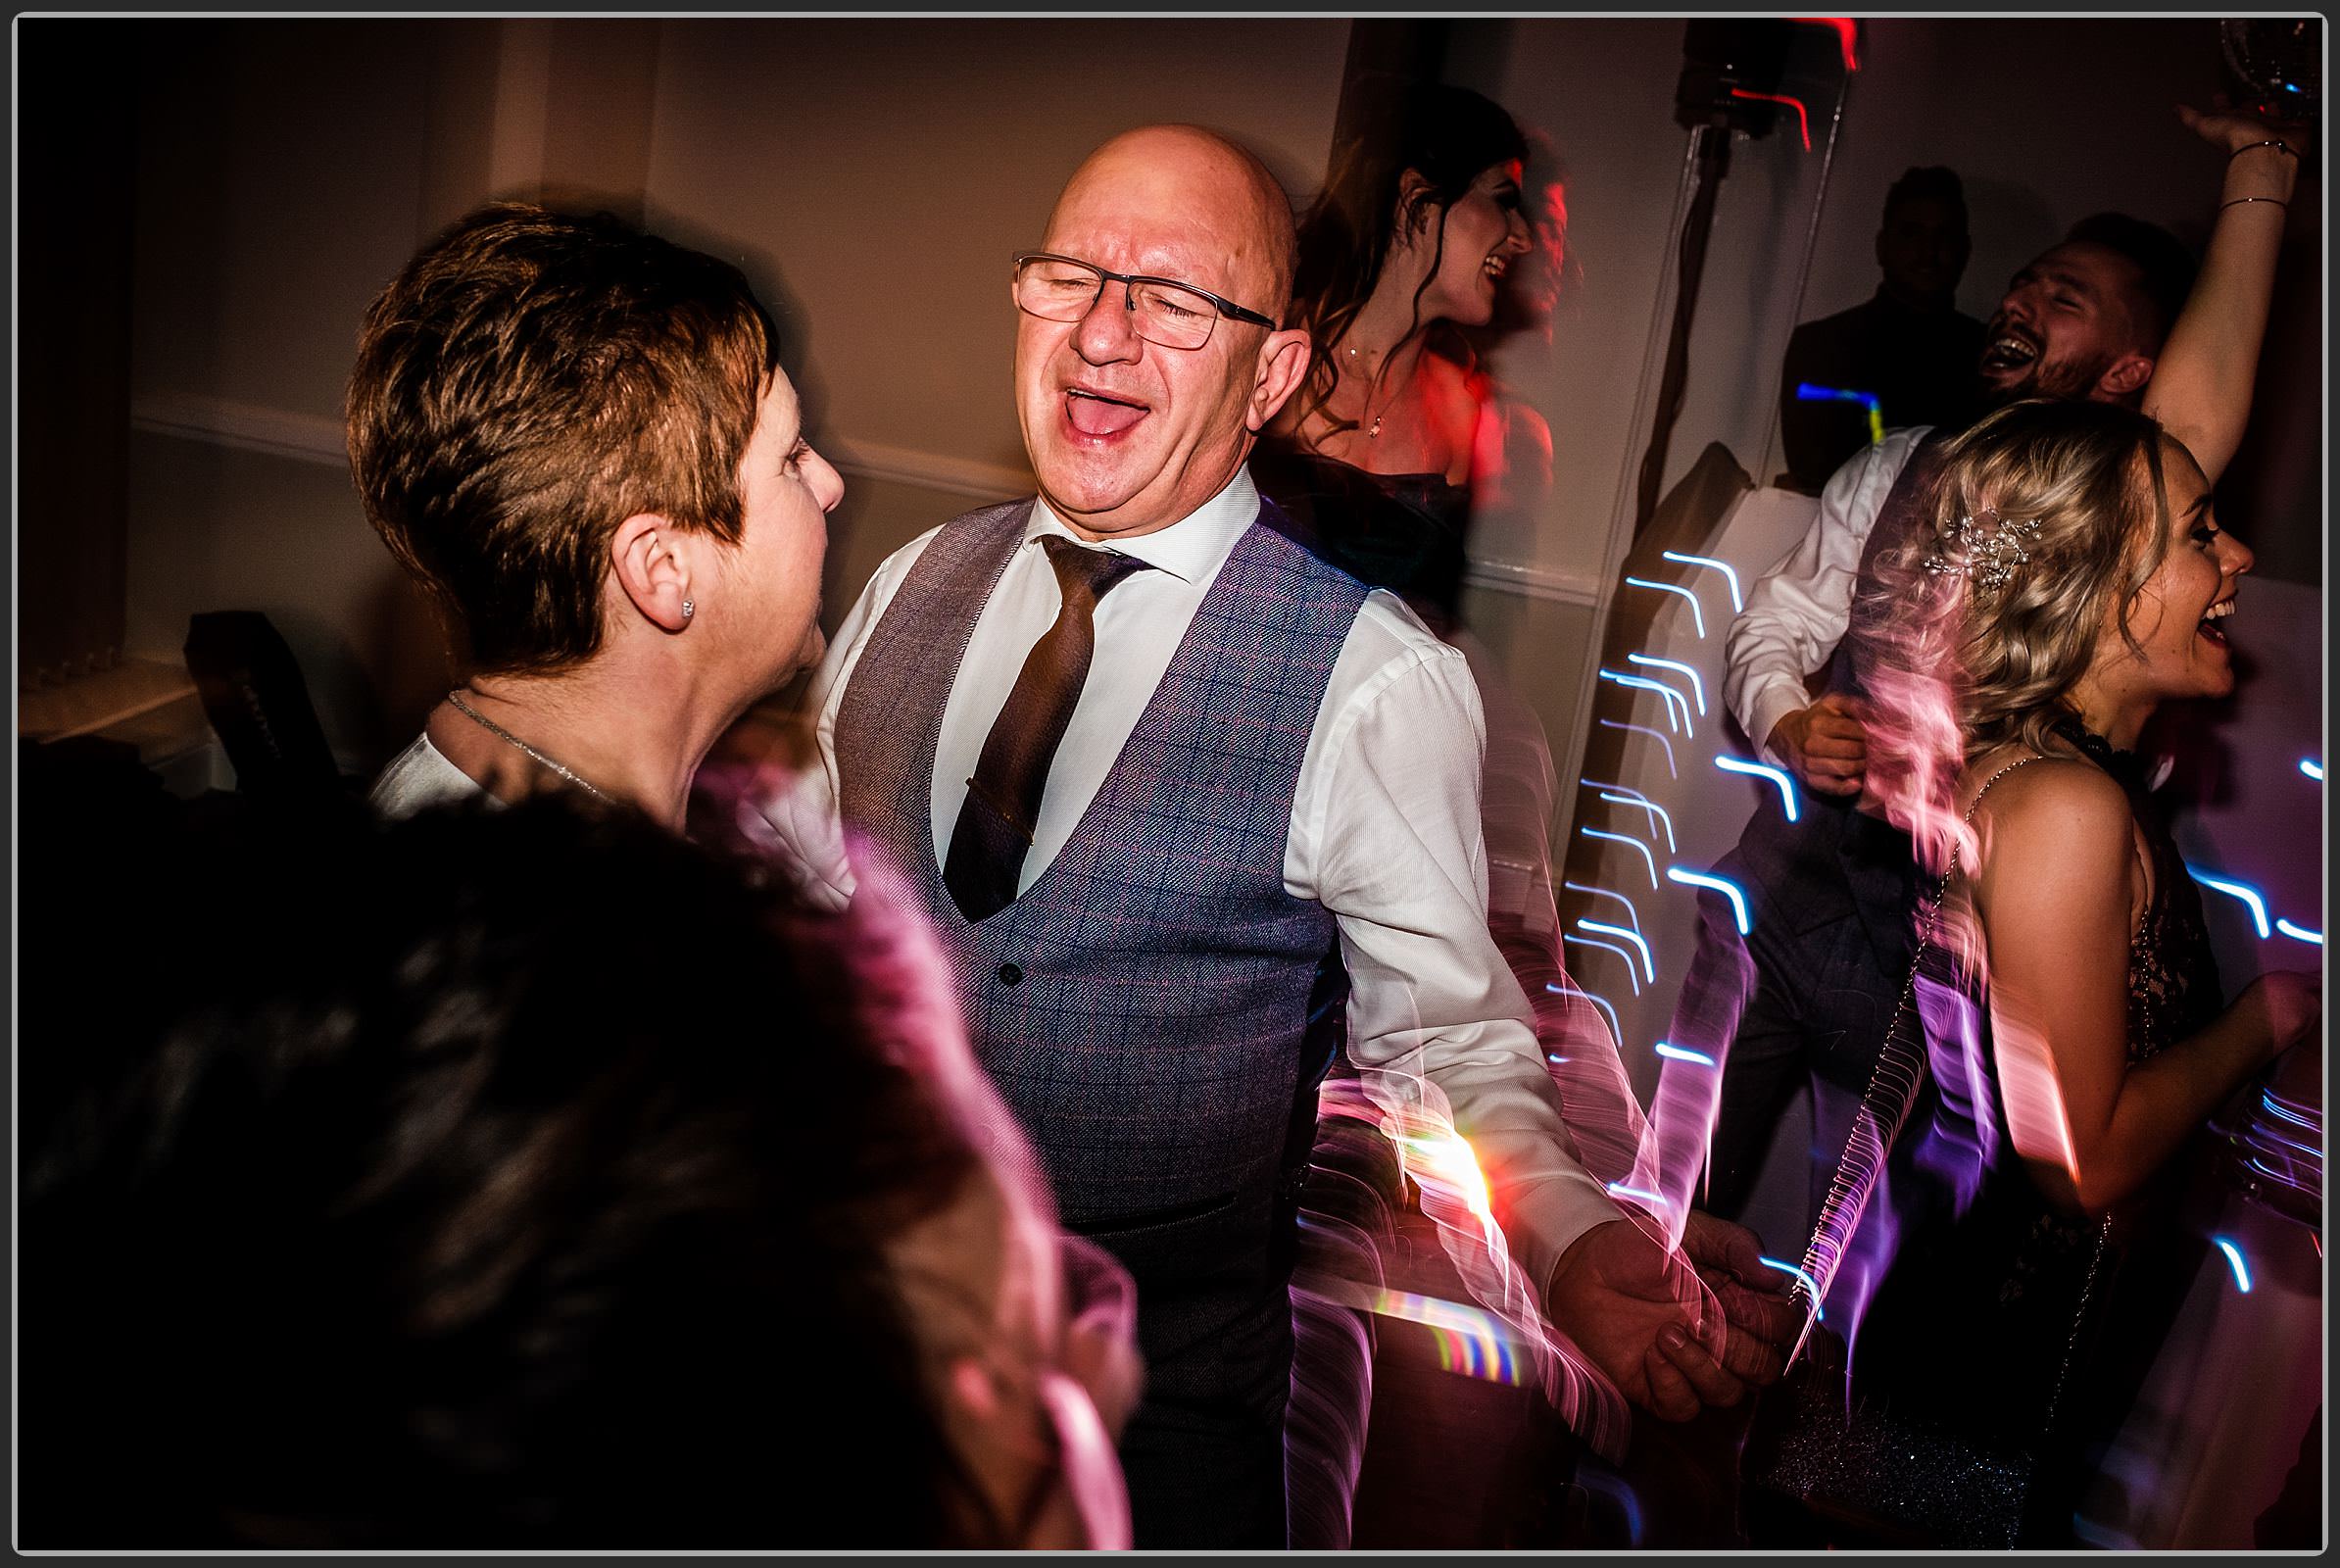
point(874, 177)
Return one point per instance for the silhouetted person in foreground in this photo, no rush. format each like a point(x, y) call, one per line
point(519, 1179)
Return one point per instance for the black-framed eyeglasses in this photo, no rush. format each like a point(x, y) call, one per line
point(1163, 310)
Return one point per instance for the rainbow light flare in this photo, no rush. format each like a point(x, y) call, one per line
point(1471, 1343)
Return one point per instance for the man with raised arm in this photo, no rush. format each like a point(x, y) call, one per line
point(2116, 313)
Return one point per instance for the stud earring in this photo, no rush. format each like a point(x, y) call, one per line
point(688, 608)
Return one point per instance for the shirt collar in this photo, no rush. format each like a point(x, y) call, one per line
point(1192, 549)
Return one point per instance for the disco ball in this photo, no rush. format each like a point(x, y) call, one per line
point(2278, 60)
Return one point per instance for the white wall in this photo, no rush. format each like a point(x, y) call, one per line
point(2002, 102)
point(872, 176)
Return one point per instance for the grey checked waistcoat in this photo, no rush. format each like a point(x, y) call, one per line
point(1145, 1005)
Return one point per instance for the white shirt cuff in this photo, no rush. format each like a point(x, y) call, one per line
point(1774, 700)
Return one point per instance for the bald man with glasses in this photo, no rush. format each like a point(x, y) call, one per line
point(1187, 807)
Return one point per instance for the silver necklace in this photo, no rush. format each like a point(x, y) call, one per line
point(501, 733)
point(1375, 430)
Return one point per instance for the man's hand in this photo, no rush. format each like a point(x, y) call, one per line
point(1625, 1301)
point(1826, 745)
point(1762, 1321)
point(761, 792)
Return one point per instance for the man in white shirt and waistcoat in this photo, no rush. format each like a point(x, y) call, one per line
point(1169, 787)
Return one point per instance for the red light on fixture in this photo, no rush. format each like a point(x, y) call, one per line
point(1803, 121)
point(1844, 35)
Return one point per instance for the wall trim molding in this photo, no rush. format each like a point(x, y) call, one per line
point(960, 476)
point(315, 438)
point(1533, 582)
point(246, 426)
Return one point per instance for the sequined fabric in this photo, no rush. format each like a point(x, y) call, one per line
point(2002, 1336)
point(2172, 976)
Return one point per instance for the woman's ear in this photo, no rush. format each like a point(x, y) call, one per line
point(1415, 198)
point(650, 562)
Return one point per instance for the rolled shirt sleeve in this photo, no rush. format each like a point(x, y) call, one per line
point(1797, 612)
point(1387, 835)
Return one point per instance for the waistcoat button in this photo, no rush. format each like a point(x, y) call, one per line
point(1010, 975)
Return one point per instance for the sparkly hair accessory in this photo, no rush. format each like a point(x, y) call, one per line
point(1986, 550)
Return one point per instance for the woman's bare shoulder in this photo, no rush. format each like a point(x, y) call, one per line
point(2048, 811)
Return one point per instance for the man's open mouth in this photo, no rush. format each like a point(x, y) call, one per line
point(1099, 414)
point(2009, 350)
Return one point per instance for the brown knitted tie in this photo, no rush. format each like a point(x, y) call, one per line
point(998, 818)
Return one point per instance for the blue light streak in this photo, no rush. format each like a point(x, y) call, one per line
point(2237, 890)
point(1648, 966)
point(1811, 1285)
point(1778, 776)
point(1738, 604)
point(1658, 815)
point(1630, 913)
point(2242, 1270)
point(1697, 615)
point(1698, 686)
point(1674, 1052)
point(1621, 1190)
point(1607, 947)
point(2297, 1115)
point(2277, 1139)
point(1729, 890)
point(1598, 833)
point(2313, 769)
point(1616, 1030)
point(2298, 933)
point(1812, 392)
point(1655, 735)
point(1673, 699)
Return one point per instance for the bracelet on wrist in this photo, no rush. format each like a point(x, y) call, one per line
point(2280, 146)
point(2239, 200)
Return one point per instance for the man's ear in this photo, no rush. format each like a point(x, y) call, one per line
point(650, 561)
point(1282, 361)
point(2124, 378)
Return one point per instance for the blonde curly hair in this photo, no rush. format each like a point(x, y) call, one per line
point(1959, 657)
point(2085, 482)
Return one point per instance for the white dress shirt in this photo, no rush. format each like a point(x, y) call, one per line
point(1385, 826)
point(1797, 612)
